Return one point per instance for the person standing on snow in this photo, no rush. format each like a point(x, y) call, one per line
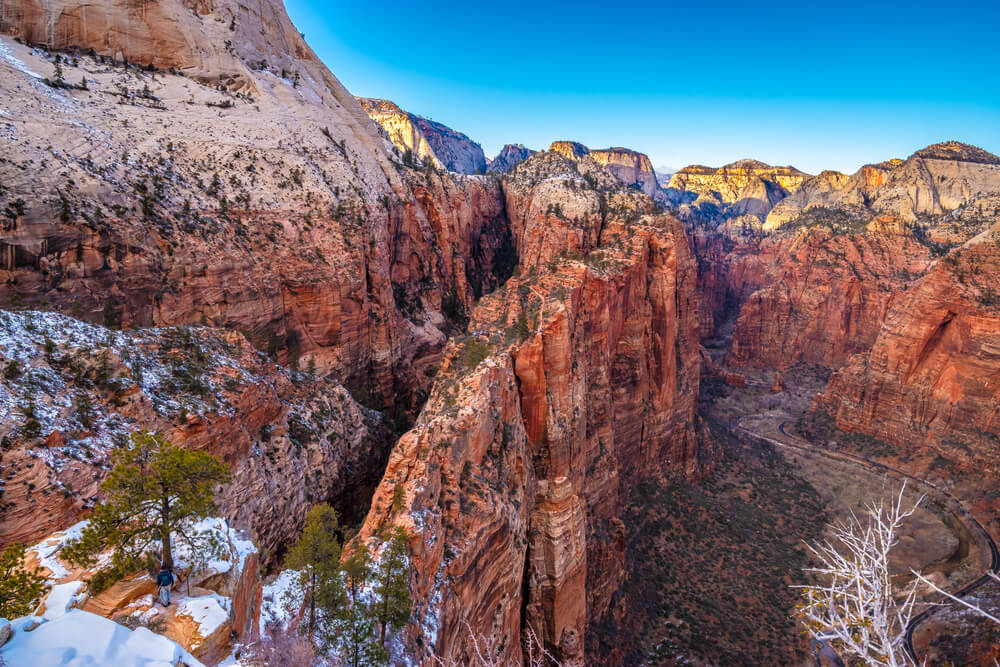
point(165, 580)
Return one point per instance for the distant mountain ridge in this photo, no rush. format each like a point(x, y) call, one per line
point(426, 139)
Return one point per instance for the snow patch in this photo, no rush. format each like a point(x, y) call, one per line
point(281, 599)
point(49, 548)
point(208, 611)
point(81, 639)
point(61, 598)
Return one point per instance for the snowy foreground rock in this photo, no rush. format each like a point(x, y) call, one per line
point(80, 639)
point(216, 600)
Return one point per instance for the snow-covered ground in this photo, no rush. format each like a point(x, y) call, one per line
point(80, 639)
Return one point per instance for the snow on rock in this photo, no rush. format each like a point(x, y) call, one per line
point(49, 548)
point(61, 598)
point(208, 611)
point(81, 639)
point(280, 600)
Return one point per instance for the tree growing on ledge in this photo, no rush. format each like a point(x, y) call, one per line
point(153, 495)
point(19, 587)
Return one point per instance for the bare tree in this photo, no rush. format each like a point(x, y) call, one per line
point(976, 608)
point(535, 653)
point(853, 606)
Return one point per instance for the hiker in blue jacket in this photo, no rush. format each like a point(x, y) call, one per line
point(165, 580)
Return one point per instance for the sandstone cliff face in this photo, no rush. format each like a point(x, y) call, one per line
point(740, 194)
point(219, 41)
point(426, 139)
point(823, 296)
point(946, 180)
point(814, 282)
point(280, 215)
point(929, 385)
point(72, 390)
point(580, 376)
point(628, 166)
point(509, 157)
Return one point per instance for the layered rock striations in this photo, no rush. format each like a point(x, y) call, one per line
point(739, 195)
point(814, 282)
point(426, 139)
point(509, 157)
point(628, 166)
point(575, 379)
point(821, 296)
point(72, 391)
point(150, 198)
point(930, 384)
point(944, 182)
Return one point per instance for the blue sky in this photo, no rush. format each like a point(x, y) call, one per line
point(788, 83)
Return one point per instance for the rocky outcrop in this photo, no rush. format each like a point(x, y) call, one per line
point(71, 391)
point(578, 378)
point(509, 157)
point(426, 139)
point(630, 167)
point(939, 185)
point(740, 194)
point(823, 296)
point(930, 385)
point(281, 216)
point(228, 43)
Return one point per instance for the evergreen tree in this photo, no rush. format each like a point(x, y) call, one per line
point(19, 587)
point(356, 626)
point(154, 490)
point(317, 558)
point(522, 326)
point(392, 584)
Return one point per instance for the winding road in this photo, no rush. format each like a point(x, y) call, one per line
point(956, 507)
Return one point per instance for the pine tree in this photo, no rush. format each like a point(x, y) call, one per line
point(355, 628)
point(155, 489)
point(317, 558)
point(522, 326)
point(392, 584)
point(19, 587)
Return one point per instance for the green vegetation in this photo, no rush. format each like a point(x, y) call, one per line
point(352, 605)
point(152, 496)
point(317, 558)
point(19, 586)
point(709, 562)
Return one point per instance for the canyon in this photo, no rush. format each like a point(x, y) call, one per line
point(530, 364)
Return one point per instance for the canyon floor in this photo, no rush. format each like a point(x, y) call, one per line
point(723, 552)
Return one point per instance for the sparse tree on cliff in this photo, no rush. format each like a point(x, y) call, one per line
point(354, 629)
point(853, 605)
point(153, 495)
point(317, 558)
point(19, 586)
point(392, 584)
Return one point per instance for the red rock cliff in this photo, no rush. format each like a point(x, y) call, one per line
point(579, 376)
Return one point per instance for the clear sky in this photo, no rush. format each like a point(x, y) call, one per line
point(815, 85)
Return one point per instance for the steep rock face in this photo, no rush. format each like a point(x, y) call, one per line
point(426, 139)
point(509, 157)
point(740, 194)
point(931, 382)
point(280, 215)
point(221, 41)
point(824, 296)
point(628, 166)
point(72, 390)
point(579, 378)
point(946, 182)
